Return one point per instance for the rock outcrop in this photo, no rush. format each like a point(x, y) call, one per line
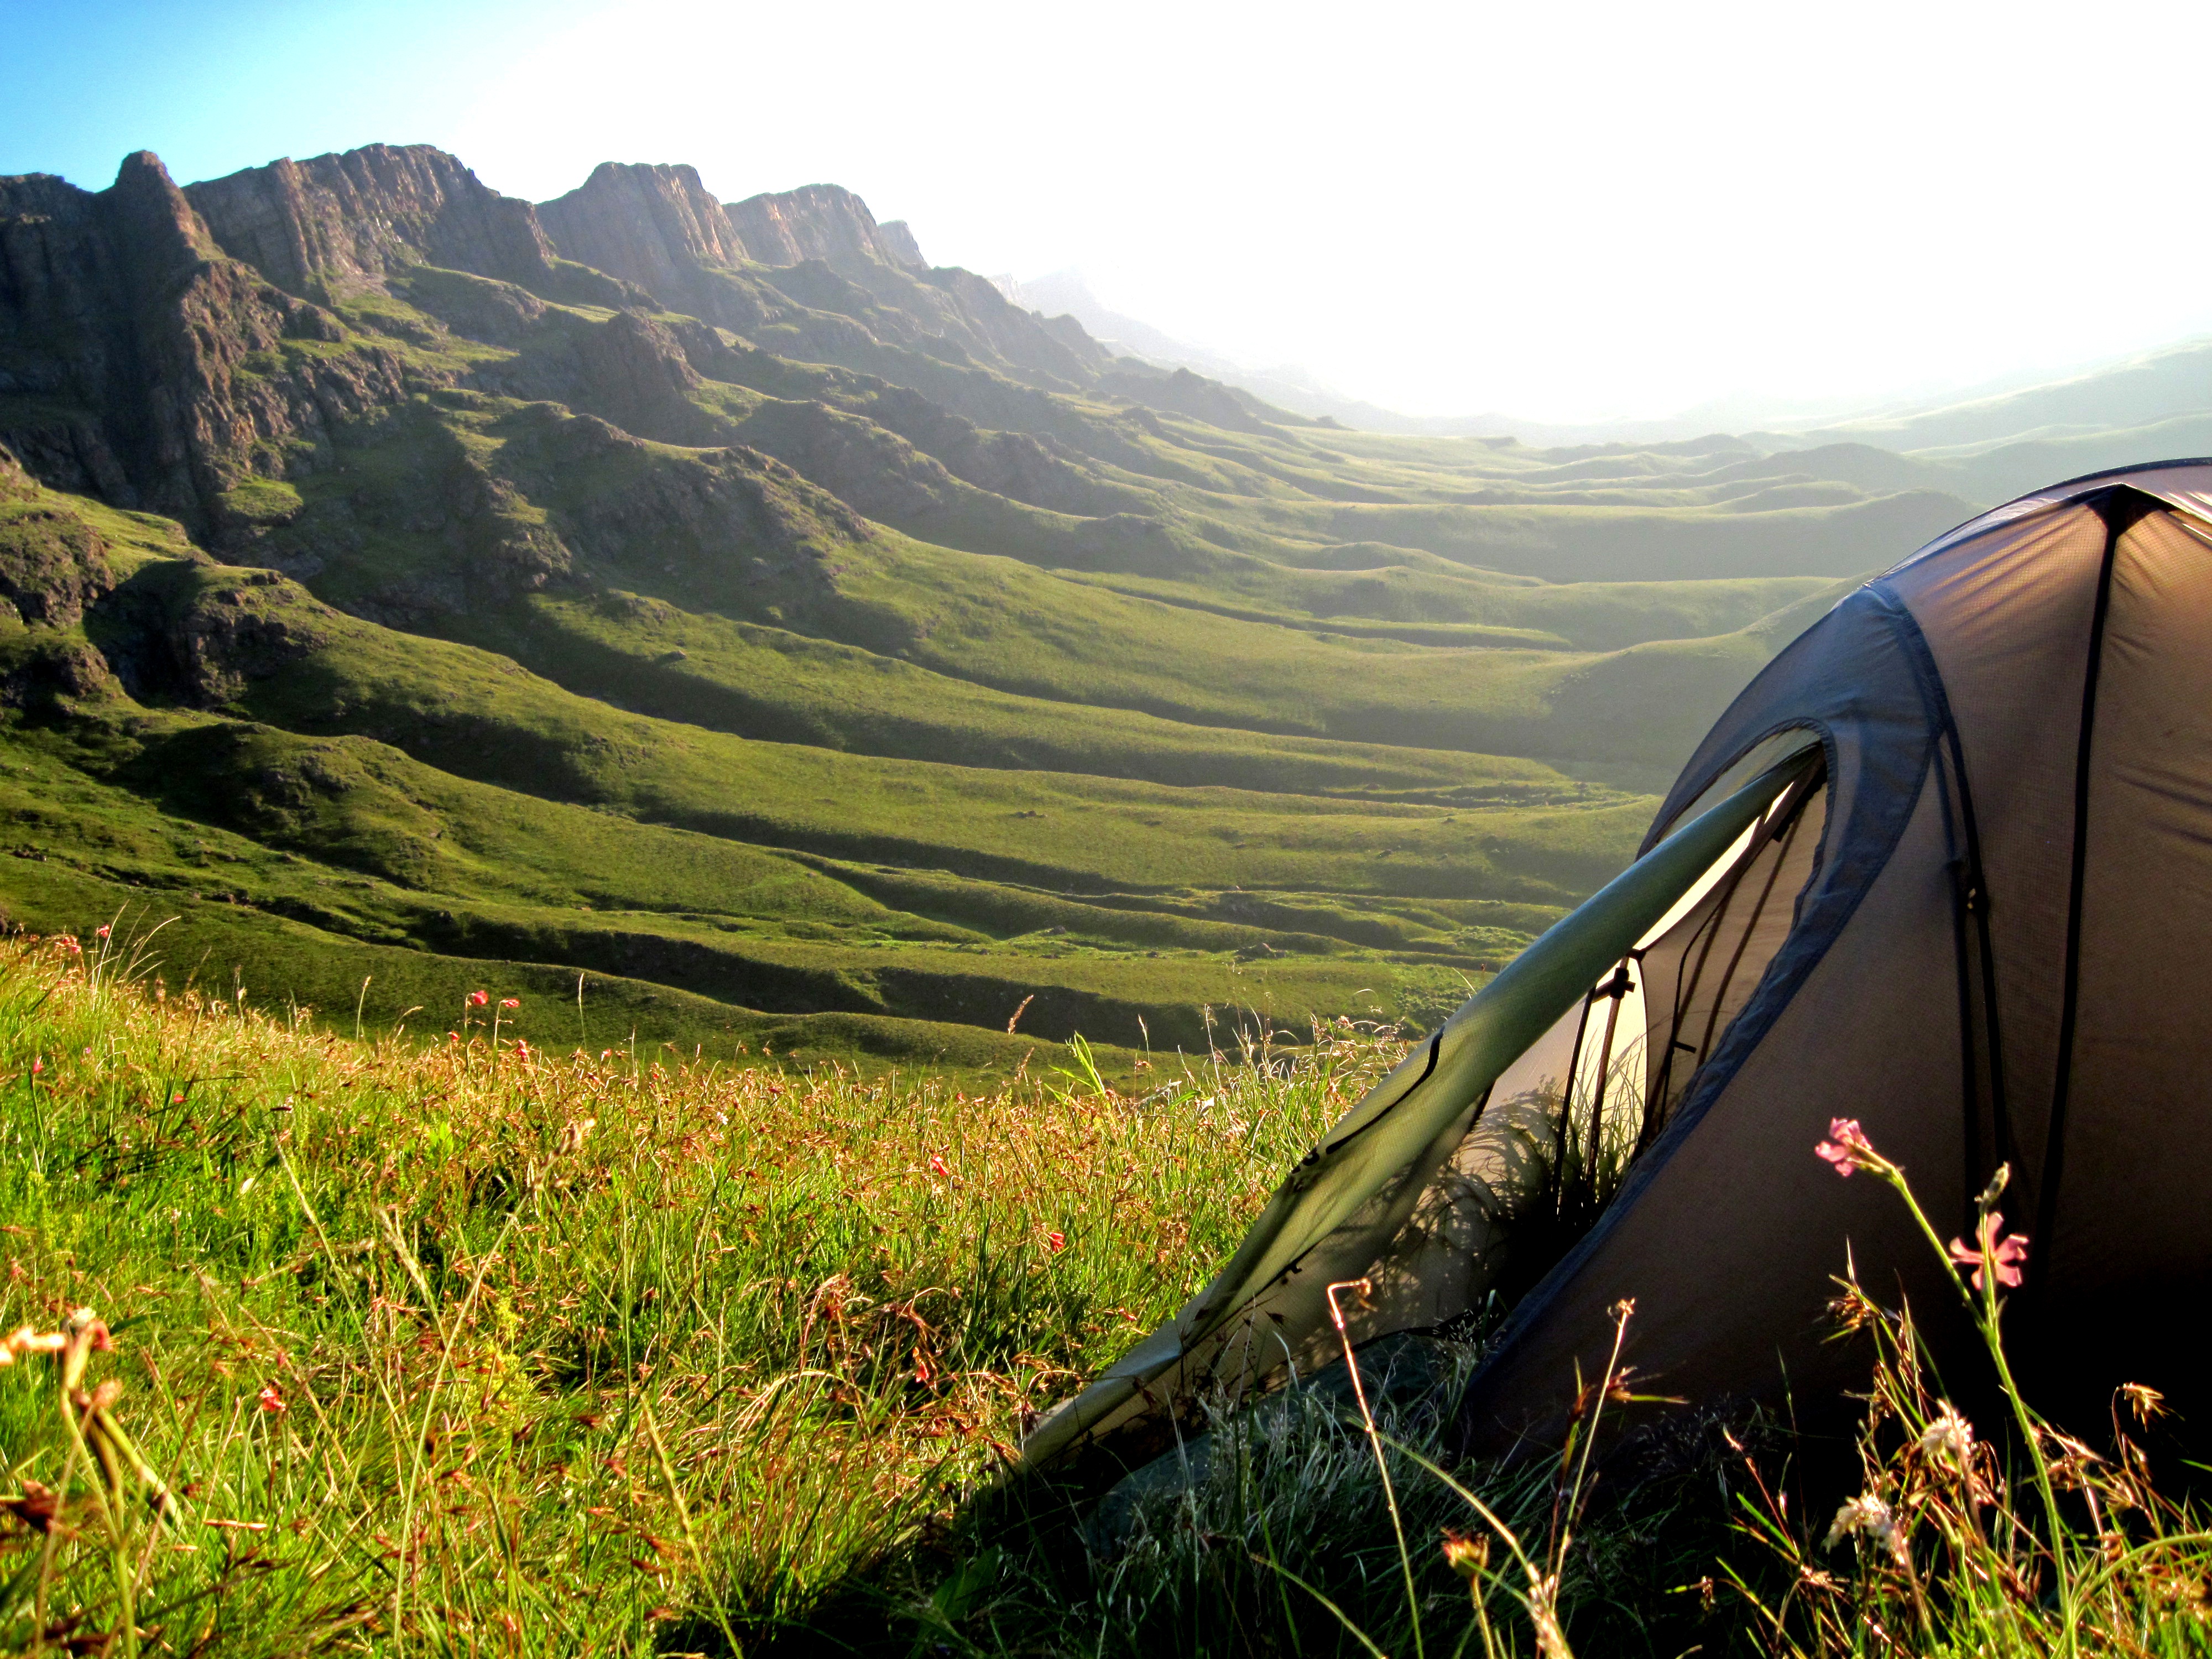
point(653, 225)
point(322, 228)
point(897, 240)
point(158, 368)
point(815, 222)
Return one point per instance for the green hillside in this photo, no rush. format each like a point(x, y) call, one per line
point(411, 591)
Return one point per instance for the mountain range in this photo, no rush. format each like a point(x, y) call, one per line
point(711, 623)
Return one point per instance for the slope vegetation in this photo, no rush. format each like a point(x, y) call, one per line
point(717, 608)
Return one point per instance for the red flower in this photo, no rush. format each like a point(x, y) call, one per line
point(38, 1064)
point(103, 930)
point(1058, 1240)
point(1845, 1146)
point(510, 1002)
point(2005, 1254)
point(271, 1399)
point(477, 998)
point(936, 1166)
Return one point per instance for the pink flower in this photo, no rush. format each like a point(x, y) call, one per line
point(477, 998)
point(937, 1167)
point(2005, 1254)
point(103, 931)
point(510, 1002)
point(1845, 1146)
point(271, 1399)
point(37, 1064)
point(1058, 1240)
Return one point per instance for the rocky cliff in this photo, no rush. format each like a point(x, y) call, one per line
point(653, 225)
point(816, 221)
point(139, 361)
point(193, 351)
point(329, 225)
point(898, 240)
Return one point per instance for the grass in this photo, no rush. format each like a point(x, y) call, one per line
point(486, 1345)
point(507, 1346)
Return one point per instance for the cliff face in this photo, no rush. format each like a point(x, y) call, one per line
point(146, 365)
point(815, 222)
point(649, 225)
point(331, 224)
point(898, 241)
point(654, 225)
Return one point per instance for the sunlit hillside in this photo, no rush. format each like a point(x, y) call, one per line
point(734, 630)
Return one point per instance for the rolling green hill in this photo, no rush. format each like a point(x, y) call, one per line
point(412, 590)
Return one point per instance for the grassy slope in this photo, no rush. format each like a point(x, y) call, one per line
point(1102, 709)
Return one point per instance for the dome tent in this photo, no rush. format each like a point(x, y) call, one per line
point(1945, 867)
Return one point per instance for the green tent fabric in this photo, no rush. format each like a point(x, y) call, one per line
point(1265, 1314)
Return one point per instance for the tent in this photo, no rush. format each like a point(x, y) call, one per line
point(1945, 867)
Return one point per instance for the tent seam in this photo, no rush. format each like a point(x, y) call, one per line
point(2119, 521)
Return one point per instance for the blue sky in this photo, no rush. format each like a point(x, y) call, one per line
point(1566, 211)
point(220, 84)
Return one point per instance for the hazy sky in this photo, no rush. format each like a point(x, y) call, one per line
point(1565, 211)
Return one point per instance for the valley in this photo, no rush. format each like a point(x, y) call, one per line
point(710, 624)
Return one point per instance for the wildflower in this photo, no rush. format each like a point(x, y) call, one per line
point(37, 1064)
point(1869, 1515)
point(103, 930)
point(510, 1002)
point(477, 998)
point(1058, 1240)
point(271, 1399)
point(26, 1340)
point(1467, 1557)
point(1846, 1146)
point(936, 1166)
point(1951, 1436)
point(2005, 1254)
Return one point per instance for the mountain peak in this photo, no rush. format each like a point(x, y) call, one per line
point(340, 222)
point(815, 222)
point(645, 222)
